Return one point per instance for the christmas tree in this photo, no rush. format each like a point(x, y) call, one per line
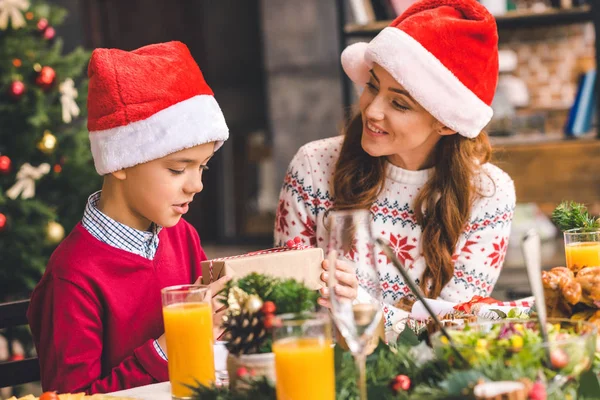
point(46, 168)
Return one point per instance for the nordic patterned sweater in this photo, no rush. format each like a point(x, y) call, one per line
point(306, 196)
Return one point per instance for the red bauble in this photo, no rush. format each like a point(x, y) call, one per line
point(400, 383)
point(2, 222)
point(42, 24)
point(16, 89)
point(268, 308)
point(46, 78)
point(49, 33)
point(4, 165)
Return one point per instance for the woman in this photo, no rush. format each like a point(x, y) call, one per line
point(416, 156)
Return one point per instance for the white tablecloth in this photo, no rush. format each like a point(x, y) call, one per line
point(162, 391)
point(158, 391)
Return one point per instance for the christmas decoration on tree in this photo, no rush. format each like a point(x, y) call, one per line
point(2, 222)
point(47, 143)
point(4, 165)
point(68, 94)
point(40, 203)
point(252, 302)
point(45, 78)
point(16, 90)
point(55, 232)
point(13, 10)
point(25, 185)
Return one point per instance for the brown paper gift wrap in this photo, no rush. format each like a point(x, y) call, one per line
point(303, 265)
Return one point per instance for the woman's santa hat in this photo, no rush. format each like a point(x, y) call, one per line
point(444, 53)
point(148, 103)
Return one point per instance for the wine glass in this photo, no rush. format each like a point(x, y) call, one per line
point(357, 320)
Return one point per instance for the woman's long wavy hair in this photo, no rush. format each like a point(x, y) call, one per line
point(359, 179)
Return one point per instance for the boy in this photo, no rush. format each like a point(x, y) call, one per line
point(96, 314)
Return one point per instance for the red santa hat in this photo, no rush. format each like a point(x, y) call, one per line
point(444, 53)
point(148, 103)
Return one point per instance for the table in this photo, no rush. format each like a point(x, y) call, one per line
point(162, 391)
point(157, 391)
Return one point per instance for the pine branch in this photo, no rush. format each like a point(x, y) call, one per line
point(571, 215)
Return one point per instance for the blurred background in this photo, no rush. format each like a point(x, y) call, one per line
point(274, 67)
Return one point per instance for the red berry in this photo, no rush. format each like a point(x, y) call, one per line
point(538, 391)
point(241, 372)
point(559, 358)
point(289, 243)
point(297, 240)
point(268, 308)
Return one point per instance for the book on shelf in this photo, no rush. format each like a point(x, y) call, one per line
point(582, 112)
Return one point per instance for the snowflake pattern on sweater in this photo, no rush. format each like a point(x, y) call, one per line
point(306, 196)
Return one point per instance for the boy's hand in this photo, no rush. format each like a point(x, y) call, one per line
point(218, 307)
point(347, 282)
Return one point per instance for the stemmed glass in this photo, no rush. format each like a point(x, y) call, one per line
point(351, 242)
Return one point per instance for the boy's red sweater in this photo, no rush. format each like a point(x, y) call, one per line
point(97, 310)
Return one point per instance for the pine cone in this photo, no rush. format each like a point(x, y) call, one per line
point(246, 333)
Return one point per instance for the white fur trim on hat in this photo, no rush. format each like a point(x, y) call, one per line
point(431, 84)
point(189, 123)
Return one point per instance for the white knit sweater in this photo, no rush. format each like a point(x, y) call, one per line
point(306, 195)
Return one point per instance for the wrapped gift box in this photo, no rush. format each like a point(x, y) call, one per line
point(303, 265)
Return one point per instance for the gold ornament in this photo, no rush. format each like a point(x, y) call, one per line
point(55, 232)
point(253, 304)
point(37, 67)
point(236, 300)
point(48, 142)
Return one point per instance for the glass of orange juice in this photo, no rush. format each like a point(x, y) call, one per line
point(187, 314)
point(582, 248)
point(304, 367)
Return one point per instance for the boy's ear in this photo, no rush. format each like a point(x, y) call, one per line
point(120, 174)
point(445, 131)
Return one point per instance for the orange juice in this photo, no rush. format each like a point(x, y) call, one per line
point(583, 254)
point(304, 369)
point(189, 331)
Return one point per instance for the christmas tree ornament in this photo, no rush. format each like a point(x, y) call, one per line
point(28, 15)
point(17, 63)
point(57, 168)
point(400, 383)
point(13, 10)
point(49, 33)
point(253, 304)
point(55, 232)
point(68, 94)
point(26, 177)
point(16, 89)
point(4, 165)
point(42, 24)
point(48, 142)
point(37, 67)
point(2, 222)
point(46, 78)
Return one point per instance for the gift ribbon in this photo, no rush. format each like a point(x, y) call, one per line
point(292, 244)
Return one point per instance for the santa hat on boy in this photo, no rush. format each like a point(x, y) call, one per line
point(444, 53)
point(148, 103)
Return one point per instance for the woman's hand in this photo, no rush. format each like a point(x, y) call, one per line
point(347, 282)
